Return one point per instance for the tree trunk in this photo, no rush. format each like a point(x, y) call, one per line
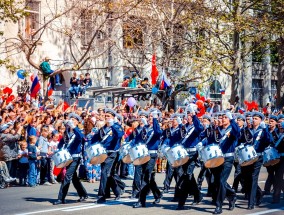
point(280, 71)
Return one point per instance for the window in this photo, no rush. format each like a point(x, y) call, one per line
point(257, 90)
point(32, 19)
point(215, 88)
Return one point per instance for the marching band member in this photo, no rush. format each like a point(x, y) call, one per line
point(260, 139)
point(270, 169)
point(152, 137)
point(110, 136)
point(279, 168)
point(187, 183)
point(72, 141)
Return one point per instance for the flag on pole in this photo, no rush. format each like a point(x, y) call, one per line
point(222, 91)
point(49, 89)
point(165, 83)
point(155, 72)
point(35, 87)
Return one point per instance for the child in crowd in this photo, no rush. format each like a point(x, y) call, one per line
point(52, 147)
point(33, 157)
point(82, 85)
point(23, 163)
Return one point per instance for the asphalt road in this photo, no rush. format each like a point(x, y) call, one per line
point(26, 200)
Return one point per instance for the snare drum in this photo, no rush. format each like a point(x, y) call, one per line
point(139, 154)
point(212, 156)
point(246, 155)
point(270, 156)
point(162, 151)
point(96, 153)
point(62, 158)
point(177, 155)
point(124, 153)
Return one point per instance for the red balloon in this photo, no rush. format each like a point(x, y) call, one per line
point(129, 131)
point(200, 104)
point(201, 112)
point(198, 97)
point(202, 98)
point(7, 90)
point(10, 98)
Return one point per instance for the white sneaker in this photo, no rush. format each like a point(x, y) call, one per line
point(47, 183)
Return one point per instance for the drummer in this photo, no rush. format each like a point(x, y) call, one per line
point(271, 169)
point(229, 134)
point(261, 138)
point(150, 135)
point(279, 168)
point(187, 183)
point(134, 137)
point(72, 141)
point(110, 136)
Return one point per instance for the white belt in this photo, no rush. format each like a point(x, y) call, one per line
point(229, 154)
point(112, 151)
point(281, 154)
point(259, 154)
point(76, 155)
point(191, 149)
point(153, 151)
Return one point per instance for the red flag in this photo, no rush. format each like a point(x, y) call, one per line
point(65, 106)
point(154, 73)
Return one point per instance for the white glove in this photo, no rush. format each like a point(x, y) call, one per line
point(155, 114)
point(110, 122)
point(144, 121)
point(262, 124)
point(229, 115)
point(115, 119)
point(179, 120)
point(71, 124)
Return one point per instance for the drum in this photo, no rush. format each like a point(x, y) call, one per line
point(96, 153)
point(62, 158)
point(124, 153)
point(270, 156)
point(246, 155)
point(212, 156)
point(162, 151)
point(177, 155)
point(139, 154)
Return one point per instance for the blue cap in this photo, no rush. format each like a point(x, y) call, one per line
point(143, 113)
point(206, 117)
point(5, 126)
point(110, 111)
point(155, 109)
point(75, 116)
point(273, 117)
point(175, 115)
point(280, 116)
point(248, 114)
point(240, 116)
point(258, 114)
point(119, 117)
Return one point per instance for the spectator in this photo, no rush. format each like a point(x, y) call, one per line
point(33, 157)
point(125, 82)
point(45, 68)
point(133, 81)
point(82, 85)
point(23, 163)
point(88, 80)
point(4, 174)
point(74, 89)
point(52, 147)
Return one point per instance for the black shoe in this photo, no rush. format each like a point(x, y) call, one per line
point(174, 199)
point(179, 208)
point(218, 210)
point(117, 198)
point(197, 201)
point(82, 199)
point(101, 201)
point(59, 202)
point(213, 202)
point(157, 201)
point(139, 205)
point(232, 203)
point(122, 192)
point(275, 202)
point(165, 190)
point(250, 207)
point(259, 200)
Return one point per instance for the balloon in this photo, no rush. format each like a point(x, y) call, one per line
point(200, 104)
point(129, 131)
point(20, 74)
point(201, 112)
point(197, 96)
point(7, 90)
point(131, 102)
point(10, 98)
point(202, 98)
point(155, 90)
point(201, 94)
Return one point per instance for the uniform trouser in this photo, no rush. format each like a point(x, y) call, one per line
point(222, 188)
point(148, 183)
point(114, 180)
point(108, 177)
point(121, 169)
point(270, 178)
point(154, 187)
point(279, 182)
point(187, 183)
point(170, 173)
point(137, 181)
point(238, 178)
point(251, 174)
point(71, 174)
point(205, 172)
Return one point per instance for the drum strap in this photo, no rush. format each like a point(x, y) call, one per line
point(279, 140)
point(188, 135)
point(150, 137)
point(71, 140)
point(107, 135)
point(227, 132)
